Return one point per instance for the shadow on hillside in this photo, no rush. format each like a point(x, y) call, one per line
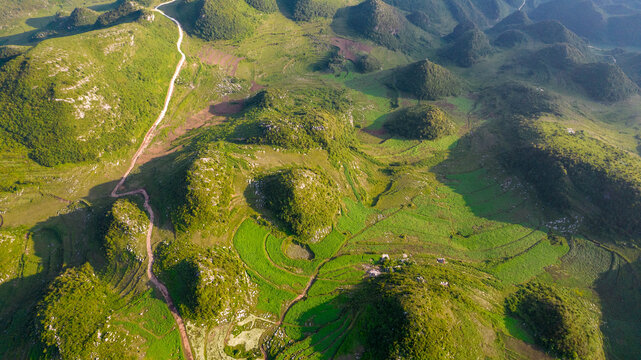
point(65, 240)
point(285, 8)
point(620, 292)
point(323, 329)
point(68, 239)
point(45, 28)
point(493, 193)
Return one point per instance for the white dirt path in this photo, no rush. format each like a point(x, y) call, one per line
point(184, 339)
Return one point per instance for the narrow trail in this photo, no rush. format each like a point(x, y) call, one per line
point(114, 193)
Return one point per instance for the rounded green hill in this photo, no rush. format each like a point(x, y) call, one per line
point(561, 322)
point(225, 20)
point(126, 232)
point(426, 312)
point(427, 80)
point(303, 199)
point(423, 121)
point(604, 82)
point(207, 191)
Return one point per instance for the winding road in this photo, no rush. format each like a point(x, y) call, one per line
point(184, 339)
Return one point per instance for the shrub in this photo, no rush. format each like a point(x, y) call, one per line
point(559, 321)
point(225, 20)
point(550, 32)
point(426, 80)
point(582, 17)
point(604, 82)
point(268, 6)
point(124, 9)
point(305, 10)
point(468, 48)
point(76, 305)
point(510, 38)
point(81, 17)
point(312, 118)
point(420, 19)
point(208, 285)
point(518, 99)
point(569, 168)
point(515, 21)
point(218, 286)
point(368, 63)
point(625, 30)
point(426, 122)
point(379, 22)
point(8, 52)
point(36, 121)
point(423, 313)
point(560, 56)
point(126, 235)
point(303, 199)
point(207, 191)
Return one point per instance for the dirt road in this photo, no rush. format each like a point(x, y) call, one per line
point(145, 143)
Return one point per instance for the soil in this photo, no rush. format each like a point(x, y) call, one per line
point(350, 49)
point(229, 63)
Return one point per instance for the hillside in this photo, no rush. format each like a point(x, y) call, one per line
point(468, 48)
point(408, 314)
point(426, 80)
point(77, 100)
point(225, 20)
point(385, 25)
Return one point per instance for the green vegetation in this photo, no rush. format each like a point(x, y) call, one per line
point(510, 38)
point(426, 122)
point(225, 20)
point(563, 164)
point(624, 30)
point(126, 234)
point(518, 99)
point(306, 10)
point(208, 285)
point(409, 314)
point(9, 52)
point(218, 286)
point(75, 307)
point(370, 211)
point(426, 80)
point(302, 198)
point(124, 9)
point(305, 119)
point(368, 63)
point(550, 32)
point(420, 19)
point(560, 321)
point(582, 17)
point(468, 48)
point(82, 17)
point(516, 20)
point(71, 99)
point(207, 190)
point(385, 25)
point(559, 56)
point(604, 82)
point(268, 6)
